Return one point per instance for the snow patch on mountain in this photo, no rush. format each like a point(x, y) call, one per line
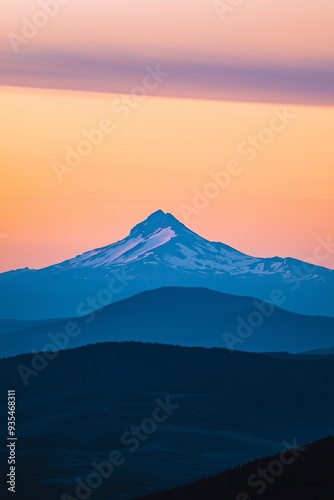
point(122, 252)
point(155, 240)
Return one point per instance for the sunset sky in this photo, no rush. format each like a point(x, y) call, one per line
point(224, 79)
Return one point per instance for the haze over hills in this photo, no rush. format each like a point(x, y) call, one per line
point(159, 252)
point(180, 316)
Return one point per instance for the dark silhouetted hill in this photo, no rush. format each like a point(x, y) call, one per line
point(309, 476)
point(232, 408)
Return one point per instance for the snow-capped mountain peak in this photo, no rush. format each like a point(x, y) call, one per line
point(161, 251)
point(161, 240)
point(157, 230)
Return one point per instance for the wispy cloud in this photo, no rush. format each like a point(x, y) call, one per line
point(311, 83)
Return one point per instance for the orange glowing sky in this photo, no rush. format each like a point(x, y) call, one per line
point(227, 78)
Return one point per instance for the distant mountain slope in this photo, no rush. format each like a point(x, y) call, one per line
point(184, 316)
point(317, 354)
point(309, 476)
point(12, 325)
point(321, 352)
point(158, 252)
point(232, 408)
